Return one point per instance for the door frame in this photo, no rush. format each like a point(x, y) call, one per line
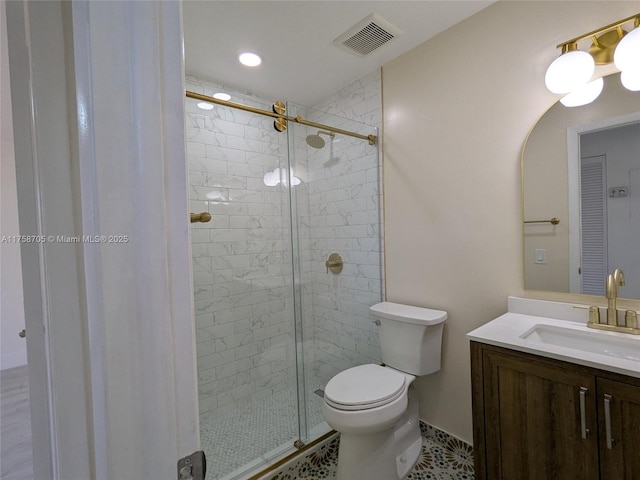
point(98, 95)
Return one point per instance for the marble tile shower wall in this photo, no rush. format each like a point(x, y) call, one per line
point(241, 259)
point(345, 199)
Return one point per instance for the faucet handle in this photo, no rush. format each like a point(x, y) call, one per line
point(334, 263)
point(594, 315)
point(631, 319)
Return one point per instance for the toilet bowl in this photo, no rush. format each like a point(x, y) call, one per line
point(380, 435)
point(375, 407)
point(367, 398)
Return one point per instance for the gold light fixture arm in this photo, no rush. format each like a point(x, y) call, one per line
point(372, 139)
point(569, 47)
point(613, 26)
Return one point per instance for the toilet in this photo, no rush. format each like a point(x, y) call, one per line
point(374, 407)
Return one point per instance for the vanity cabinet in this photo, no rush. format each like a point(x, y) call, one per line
point(539, 418)
point(619, 446)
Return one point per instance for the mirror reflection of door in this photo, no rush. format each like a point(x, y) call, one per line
point(593, 224)
point(634, 229)
point(610, 205)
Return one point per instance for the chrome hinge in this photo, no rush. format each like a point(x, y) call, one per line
point(193, 467)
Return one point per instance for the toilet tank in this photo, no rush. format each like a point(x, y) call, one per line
point(410, 337)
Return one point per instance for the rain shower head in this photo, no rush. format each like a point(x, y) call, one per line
point(316, 141)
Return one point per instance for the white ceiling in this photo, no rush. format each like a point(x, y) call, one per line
point(295, 39)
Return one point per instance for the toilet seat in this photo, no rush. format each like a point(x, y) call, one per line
point(364, 387)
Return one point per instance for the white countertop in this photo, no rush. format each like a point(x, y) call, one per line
point(621, 355)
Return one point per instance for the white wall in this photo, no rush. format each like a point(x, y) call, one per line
point(457, 110)
point(13, 349)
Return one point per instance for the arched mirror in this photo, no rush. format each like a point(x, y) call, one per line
point(581, 166)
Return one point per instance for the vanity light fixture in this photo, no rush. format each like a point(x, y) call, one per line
point(572, 73)
point(249, 59)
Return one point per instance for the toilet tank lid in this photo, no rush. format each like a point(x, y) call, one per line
point(408, 313)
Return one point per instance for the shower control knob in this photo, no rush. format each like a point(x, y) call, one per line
point(334, 264)
point(403, 459)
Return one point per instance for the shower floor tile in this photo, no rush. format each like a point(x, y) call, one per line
point(236, 439)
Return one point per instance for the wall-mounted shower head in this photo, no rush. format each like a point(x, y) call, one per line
point(316, 141)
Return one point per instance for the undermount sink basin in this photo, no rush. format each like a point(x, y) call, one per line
point(559, 330)
point(596, 342)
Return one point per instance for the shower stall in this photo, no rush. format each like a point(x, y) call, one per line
point(273, 322)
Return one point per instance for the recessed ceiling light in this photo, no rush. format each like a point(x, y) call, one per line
point(205, 106)
point(249, 59)
point(222, 96)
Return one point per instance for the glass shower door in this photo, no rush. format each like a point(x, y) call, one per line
point(336, 208)
point(272, 324)
point(243, 291)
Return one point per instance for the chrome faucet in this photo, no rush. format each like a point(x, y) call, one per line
point(613, 281)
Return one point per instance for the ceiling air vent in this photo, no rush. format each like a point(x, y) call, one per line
point(367, 35)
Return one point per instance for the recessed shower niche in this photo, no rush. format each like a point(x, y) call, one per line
point(273, 323)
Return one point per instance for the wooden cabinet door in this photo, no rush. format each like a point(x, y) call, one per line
point(619, 421)
point(535, 416)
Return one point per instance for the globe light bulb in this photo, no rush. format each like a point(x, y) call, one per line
point(627, 54)
point(631, 80)
point(584, 94)
point(569, 71)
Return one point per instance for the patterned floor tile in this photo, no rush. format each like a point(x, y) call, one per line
point(233, 440)
point(443, 457)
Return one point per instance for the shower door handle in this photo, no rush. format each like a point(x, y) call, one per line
point(200, 217)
